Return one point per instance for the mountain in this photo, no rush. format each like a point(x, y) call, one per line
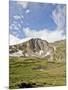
point(39, 48)
point(60, 50)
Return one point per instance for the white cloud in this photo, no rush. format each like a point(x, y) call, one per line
point(44, 34)
point(15, 23)
point(58, 15)
point(27, 11)
point(17, 17)
point(14, 26)
point(11, 26)
point(19, 25)
point(24, 4)
point(22, 16)
point(13, 40)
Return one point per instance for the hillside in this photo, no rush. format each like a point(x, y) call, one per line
point(39, 48)
point(37, 63)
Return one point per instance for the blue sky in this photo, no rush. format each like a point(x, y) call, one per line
point(38, 20)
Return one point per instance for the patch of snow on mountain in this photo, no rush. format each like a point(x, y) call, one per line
point(26, 54)
point(40, 52)
point(48, 53)
point(54, 48)
point(19, 53)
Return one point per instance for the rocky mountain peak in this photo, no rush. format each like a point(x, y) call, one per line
point(38, 48)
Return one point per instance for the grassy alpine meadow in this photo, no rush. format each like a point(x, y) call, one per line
point(28, 72)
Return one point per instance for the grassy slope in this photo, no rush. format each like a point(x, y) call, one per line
point(35, 70)
point(60, 53)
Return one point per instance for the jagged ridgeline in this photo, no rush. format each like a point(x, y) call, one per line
point(41, 49)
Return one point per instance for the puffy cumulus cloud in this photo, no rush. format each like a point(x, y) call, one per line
point(44, 34)
point(24, 4)
point(59, 16)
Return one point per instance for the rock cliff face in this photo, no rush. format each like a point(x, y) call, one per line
point(39, 48)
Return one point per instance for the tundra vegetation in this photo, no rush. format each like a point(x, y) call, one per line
point(42, 70)
point(27, 72)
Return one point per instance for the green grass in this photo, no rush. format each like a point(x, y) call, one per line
point(35, 70)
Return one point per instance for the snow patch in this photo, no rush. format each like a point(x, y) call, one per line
point(48, 53)
point(40, 52)
point(19, 53)
point(54, 48)
point(26, 54)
